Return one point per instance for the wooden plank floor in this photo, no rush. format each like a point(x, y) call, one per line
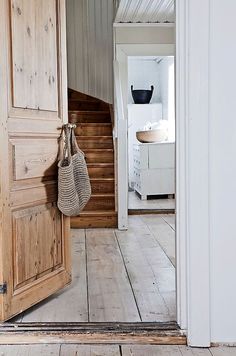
point(118, 276)
point(113, 350)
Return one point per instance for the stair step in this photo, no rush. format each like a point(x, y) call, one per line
point(89, 104)
point(78, 104)
point(99, 155)
point(94, 129)
point(95, 142)
point(101, 170)
point(89, 116)
point(95, 219)
point(105, 201)
point(102, 185)
point(72, 94)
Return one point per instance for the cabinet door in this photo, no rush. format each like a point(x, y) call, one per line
point(34, 235)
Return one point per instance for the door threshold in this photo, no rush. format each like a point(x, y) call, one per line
point(156, 333)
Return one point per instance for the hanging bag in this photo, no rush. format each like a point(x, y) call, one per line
point(74, 189)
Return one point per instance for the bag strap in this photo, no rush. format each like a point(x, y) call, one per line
point(74, 144)
point(67, 142)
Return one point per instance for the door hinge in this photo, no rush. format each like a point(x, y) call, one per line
point(3, 288)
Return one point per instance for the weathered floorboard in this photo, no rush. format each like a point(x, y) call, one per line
point(144, 258)
point(90, 350)
point(110, 294)
point(30, 350)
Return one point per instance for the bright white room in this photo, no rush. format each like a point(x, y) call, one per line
point(151, 133)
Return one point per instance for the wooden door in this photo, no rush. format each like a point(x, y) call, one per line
point(34, 235)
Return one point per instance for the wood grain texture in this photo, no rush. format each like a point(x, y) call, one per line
point(35, 261)
point(158, 338)
point(132, 280)
point(110, 294)
point(37, 244)
point(34, 158)
point(69, 305)
point(92, 219)
point(113, 350)
point(34, 54)
point(95, 138)
point(140, 350)
point(89, 350)
point(162, 228)
point(151, 274)
point(223, 351)
point(28, 350)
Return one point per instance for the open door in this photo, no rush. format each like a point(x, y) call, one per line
point(34, 235)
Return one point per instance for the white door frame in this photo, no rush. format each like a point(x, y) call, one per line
point(192, 172)
point(192, 169)
point(122, 52)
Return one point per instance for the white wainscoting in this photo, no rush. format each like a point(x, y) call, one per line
point(90, 47)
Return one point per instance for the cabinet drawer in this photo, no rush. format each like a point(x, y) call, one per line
point(140, 156)
point(162, 156)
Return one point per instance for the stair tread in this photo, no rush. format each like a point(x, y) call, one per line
point(102, 179)
point(102, 195)
point(109, 164)
point(99, 212)
point(98, 149)
point(92, 112)
point(85, 100)
point(94, 137)
point(94, 124)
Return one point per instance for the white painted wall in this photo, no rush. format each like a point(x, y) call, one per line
point(142, 73)
point(222, 156)
point(146, 34)
point(90, 47)
point(167, 92)
point(206, 57)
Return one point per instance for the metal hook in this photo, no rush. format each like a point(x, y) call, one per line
point(70, 126)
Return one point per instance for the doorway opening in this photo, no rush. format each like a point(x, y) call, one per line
point(151, 136)
point(118, 276)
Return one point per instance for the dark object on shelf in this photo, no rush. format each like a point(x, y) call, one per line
point(142, 96)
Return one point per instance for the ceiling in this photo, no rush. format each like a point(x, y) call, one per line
point(145, 11)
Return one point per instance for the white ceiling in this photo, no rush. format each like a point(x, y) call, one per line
point(145, 11)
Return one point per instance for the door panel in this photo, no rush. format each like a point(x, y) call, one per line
point(34, 54)
point(34, 235)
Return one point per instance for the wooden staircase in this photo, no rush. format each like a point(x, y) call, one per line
point(93, 131)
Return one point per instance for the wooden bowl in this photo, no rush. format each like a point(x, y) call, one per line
point(151, 136)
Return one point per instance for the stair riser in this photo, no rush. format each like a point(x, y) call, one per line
point(87, 222)
point(80, 96)
point(89, 118)
point(100, 203)
point(83, 144)
point(103, 187)
point(83, 105)
point(101, 172)
point(98, 130)
point(99, 157)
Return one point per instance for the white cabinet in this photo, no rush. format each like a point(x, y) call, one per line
point(154, 168)
point(138, 116)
